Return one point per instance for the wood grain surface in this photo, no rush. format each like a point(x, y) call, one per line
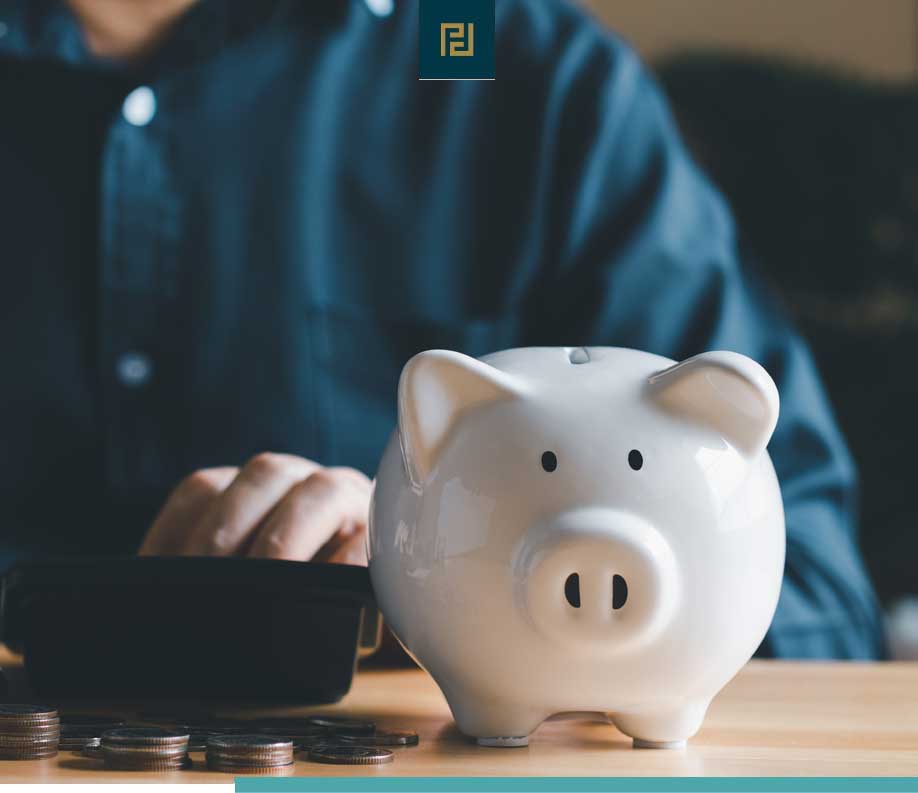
point(774, 719)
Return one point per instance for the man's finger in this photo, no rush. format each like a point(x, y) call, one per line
point(261, 483)
point(310, 515)
point(184, 508)
point(358, 477)
point(350, 548)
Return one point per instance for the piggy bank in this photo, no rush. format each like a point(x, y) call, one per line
point(559, 530)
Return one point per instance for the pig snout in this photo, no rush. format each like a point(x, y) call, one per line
point(596, 577)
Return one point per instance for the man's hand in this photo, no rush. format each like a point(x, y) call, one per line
point(276, 506)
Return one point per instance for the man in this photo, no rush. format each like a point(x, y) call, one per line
point(226, 226)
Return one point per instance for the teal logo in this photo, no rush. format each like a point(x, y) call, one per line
point(456, 40)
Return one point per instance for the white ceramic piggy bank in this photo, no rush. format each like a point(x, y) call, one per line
point(579, 529)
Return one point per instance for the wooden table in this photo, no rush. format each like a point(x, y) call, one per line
point(774, 719)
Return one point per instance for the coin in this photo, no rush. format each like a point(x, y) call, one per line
point(250, 749)
point(251, 762)
point(12, 753)
point(26, 729)
point(29, 722)
point(335, 724)
point(73, 744)
point(238, 770)
point(154, 764)
point(248, 744)
point(145, 749)
point(93, 749)
point(20, 731)
point(246, 754)
point(139, 736)
point(381, 738)
point(28, 740)
point(34, 729)
point(349, 755)
point(28, 732)
point(24, 712)
point(148, 750)
point(129, 758)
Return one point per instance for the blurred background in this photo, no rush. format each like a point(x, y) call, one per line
point(821, 95)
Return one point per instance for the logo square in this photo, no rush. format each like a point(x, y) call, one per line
point(456, 40)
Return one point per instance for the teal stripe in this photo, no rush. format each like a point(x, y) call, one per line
point(579, 784)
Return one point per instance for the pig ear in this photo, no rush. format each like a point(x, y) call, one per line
point(725, 391)
point(436, 389)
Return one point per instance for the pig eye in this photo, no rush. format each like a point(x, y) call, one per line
point(549, 461)
point(635, 459)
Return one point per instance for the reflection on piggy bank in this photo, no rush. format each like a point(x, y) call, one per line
point(579, 529)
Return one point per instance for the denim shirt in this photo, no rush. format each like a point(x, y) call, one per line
point(235, 245)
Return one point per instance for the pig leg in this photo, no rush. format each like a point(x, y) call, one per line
point(662, 729)
point(493, 722)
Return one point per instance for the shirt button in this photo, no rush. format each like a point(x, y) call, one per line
point(382, 8)
point(134, 369)
point(139, 106)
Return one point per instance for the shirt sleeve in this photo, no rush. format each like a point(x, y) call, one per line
point(648, 258)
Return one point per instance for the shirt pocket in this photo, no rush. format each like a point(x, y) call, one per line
point(358, 355)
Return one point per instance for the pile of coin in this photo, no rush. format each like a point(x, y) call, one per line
point(339, 740)
point(145, 749)
point(28, 732)
point(237, 746)
point(355, 742)
point(249, 754)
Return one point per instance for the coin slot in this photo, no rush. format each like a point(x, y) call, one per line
point(572, 590)
point(619, 592)
point(578, 355)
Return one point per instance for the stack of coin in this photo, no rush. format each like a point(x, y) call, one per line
point(145, 749)
point(28, 732)
point(249, 754)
